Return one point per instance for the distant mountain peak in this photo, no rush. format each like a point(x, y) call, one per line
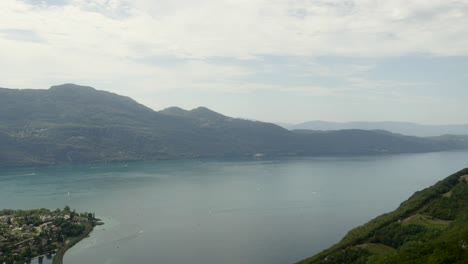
point(174, 108)
point(174, 111)
point(71, 86)
point(203, 112)
point(202, 108)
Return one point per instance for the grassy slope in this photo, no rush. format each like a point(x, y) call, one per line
point(430, 227)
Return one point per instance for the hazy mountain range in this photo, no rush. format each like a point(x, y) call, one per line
point(405, 128)
point(74, 124)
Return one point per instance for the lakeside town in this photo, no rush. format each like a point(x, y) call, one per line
point(26, 234)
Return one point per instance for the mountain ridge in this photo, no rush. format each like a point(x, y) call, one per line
point(77, 124)
point(406, 128)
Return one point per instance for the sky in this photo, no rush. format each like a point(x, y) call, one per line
point(271, 60)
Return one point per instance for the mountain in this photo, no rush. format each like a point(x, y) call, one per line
point(76, 124)
point(430, 227)
point(395, 127)
point(201, 113)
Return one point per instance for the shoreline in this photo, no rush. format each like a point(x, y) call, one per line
point(224, 158)
point(58, 258)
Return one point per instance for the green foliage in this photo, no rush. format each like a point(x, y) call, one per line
point(396, 235)
point(413, 229)
point(348, 255)
point(69, 228)
point(427, 221)
point(449, 206)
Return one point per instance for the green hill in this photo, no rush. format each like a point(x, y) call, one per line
point(430, 227)
point(76, 124)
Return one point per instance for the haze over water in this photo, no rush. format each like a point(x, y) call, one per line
point(224, 211)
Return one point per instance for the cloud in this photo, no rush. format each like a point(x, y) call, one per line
point(20, 35)
point(47, 2)
point(142, 47)
point(246, 29)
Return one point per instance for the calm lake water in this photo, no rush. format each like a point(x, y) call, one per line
point(211, 211)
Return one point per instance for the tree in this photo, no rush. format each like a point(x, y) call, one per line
point(60, 238)
point(28, 252)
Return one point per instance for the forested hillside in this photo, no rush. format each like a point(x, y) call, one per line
point(75, 124)
point(430, 227)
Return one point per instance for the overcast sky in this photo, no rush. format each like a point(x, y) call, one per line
point(272, 60)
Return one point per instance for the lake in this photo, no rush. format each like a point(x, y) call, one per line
point(224, 211)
